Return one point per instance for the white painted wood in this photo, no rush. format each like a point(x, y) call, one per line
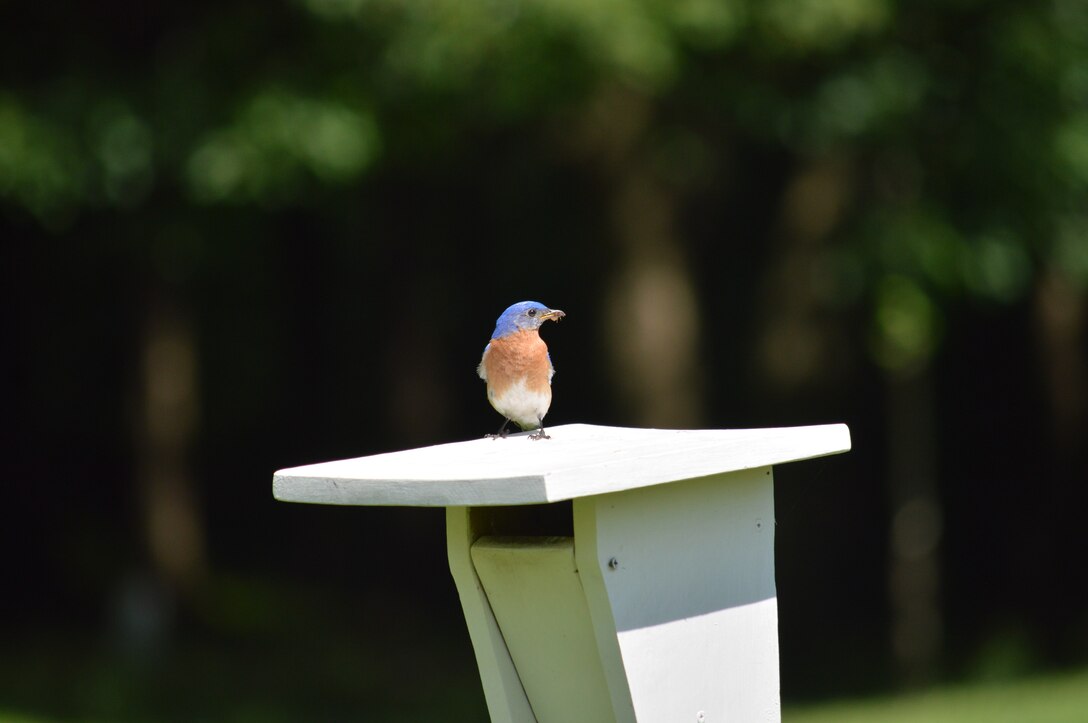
point(579, 460)
point(588, 552)
point(536, 596)
point(506, 700)
point(671, 614)
point(680, 585)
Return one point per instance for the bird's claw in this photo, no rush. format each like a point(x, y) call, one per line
point(539, 435)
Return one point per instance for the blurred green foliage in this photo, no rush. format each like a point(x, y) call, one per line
point(964, 125)
point(263, 653)
point(337, 194)
point(276, 138)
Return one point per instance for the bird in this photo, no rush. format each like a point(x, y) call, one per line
point(518, 369)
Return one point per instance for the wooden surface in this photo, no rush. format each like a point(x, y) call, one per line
point(579, 460)
point(533, 587)
point(506, 699)
point(679, 581)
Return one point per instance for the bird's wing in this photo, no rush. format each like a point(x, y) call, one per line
point(481, 369)
point(551, 367)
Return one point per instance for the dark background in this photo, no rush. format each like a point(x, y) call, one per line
point(244, 236)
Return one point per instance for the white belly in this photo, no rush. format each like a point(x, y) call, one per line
point(521, 405)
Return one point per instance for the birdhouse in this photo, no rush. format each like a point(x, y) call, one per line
point(605, 574)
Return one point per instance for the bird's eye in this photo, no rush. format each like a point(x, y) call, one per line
point(532, 312)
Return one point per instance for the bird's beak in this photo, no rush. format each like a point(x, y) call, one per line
point(553, 314)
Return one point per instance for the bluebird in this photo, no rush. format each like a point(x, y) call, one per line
point(518, 369)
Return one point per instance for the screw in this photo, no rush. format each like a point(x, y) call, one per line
point(759, 525)
point(613, 563)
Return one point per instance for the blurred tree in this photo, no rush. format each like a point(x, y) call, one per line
point(903, 161)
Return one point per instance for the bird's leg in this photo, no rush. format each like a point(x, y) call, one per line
point(501, 433)
point(540, 433)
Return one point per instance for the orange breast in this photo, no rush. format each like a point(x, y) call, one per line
point(521, 356)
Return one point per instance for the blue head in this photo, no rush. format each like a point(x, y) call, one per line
point(524, 315)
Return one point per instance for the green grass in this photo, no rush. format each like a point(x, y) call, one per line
point(1051, 699)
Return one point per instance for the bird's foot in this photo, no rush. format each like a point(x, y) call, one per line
point(501, 434)
point(541, 434)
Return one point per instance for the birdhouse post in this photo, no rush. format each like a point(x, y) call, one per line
point(606, 574)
